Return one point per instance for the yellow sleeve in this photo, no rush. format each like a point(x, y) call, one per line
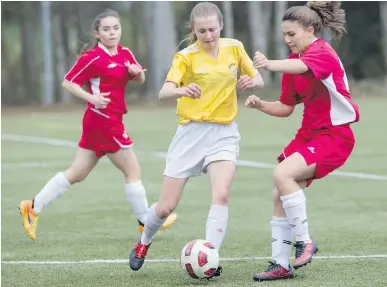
point(178, 69)
point(246, 66)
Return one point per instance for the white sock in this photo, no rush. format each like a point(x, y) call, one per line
point(136, 195)
point(295, 208)
point(217, 224)
point(281, 240)
point(53, 189)
point(152, 225)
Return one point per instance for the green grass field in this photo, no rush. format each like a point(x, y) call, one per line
point(347, 216)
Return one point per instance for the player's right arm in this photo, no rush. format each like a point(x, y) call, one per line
point(172, 89)
point(275, 109)
point(79, 92)
point(82, 71)
point(284, 107)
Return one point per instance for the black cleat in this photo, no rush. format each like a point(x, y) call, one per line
point(217, 273)
point(137, 255)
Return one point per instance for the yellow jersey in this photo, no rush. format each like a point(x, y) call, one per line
point(217, 78)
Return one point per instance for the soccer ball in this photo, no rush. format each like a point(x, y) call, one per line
point(199, 258)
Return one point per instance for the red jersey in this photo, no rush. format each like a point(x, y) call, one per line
point(104, 72)
point(323, 89)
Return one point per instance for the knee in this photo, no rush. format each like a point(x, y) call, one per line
point(281, 175)
point(163, 211)
point(220, 196)
point(74, 175)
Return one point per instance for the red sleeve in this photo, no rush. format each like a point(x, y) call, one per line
point(132, 59)
point(320, 60)
point(83, 70)
point(288, 91)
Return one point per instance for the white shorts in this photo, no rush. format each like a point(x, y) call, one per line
point(197, 144)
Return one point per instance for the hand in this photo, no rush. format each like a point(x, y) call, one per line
point(133, 69)
point(100, 101)
point(245, 82)
point(192, 90)
point(253, 102)
point(260, 60)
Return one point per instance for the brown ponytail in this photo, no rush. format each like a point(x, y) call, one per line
point(319, 15)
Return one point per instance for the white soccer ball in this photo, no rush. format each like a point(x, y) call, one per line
point(199, 258)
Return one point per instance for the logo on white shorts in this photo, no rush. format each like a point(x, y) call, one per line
point(311, 149)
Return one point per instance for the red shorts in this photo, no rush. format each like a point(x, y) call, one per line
point(328, 148)
point(103, 135)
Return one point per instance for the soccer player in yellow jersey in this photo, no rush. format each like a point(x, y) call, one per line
point(203, 78)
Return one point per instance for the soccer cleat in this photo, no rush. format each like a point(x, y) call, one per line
point(274, 272)
point(137, 255)
point(167, 224)
point(30, 219)
point(217, 273)
point(304, 253)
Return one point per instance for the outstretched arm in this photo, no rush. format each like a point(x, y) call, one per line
point(287, 66)
point(275, 109)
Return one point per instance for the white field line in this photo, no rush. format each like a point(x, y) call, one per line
point(244, 163)
point(36, 164)
point(33, 164)
point(126, 261)
point(39, 164)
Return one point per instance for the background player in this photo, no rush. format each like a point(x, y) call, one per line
point(203, 78)
point(106, 69)
point(313, 75)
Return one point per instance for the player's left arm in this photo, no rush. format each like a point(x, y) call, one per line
point(135, 70)
point(250, 77)
point(140, 78)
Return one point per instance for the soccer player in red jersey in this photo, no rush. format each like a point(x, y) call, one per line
point(313, 75)
point(105, 69)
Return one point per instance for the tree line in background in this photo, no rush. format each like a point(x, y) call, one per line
point(152, 30)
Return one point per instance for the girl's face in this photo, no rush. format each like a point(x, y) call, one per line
point(297, 37)
point(207, 30)
point(109, 32)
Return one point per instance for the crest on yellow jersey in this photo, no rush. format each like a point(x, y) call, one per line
point(234, 69)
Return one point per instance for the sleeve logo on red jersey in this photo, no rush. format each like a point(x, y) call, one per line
point(311, 149)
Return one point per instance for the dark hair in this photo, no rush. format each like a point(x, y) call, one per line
point(202, 9)
point(319, 15)
point(95, 28)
